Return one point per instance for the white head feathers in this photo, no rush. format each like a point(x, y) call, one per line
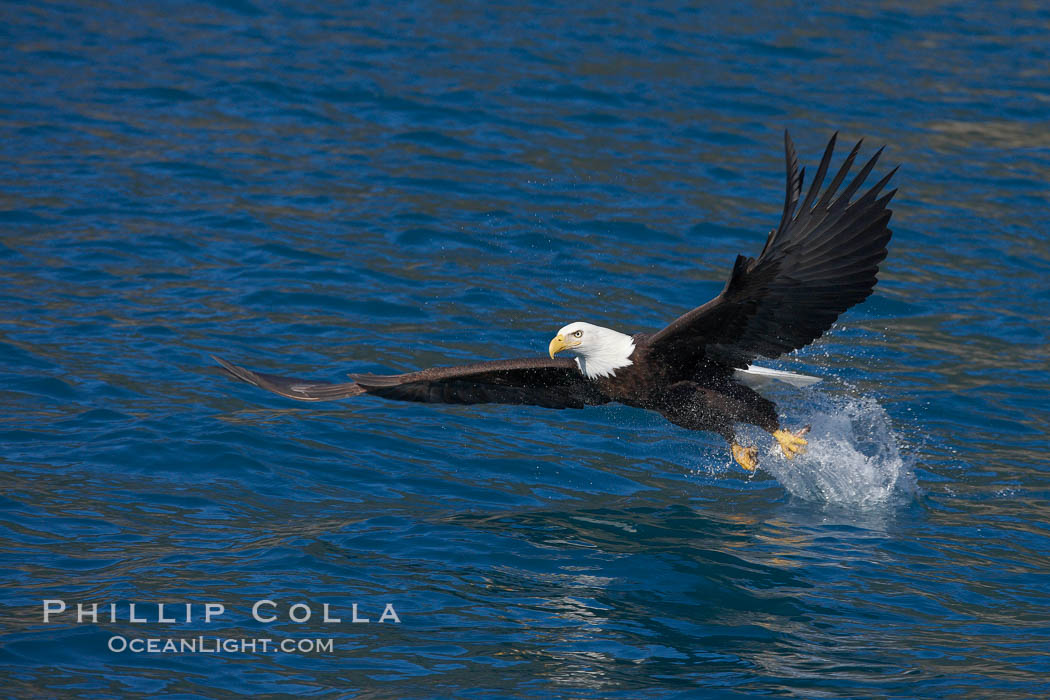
point(599, 351)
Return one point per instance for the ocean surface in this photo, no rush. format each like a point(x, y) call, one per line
point(316, 188)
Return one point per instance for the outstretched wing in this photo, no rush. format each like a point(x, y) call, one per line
point(301, 389)
point(821, 260)
point(555, 383)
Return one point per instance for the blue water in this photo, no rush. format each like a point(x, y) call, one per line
point(314, 189)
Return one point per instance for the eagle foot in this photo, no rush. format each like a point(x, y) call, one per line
point(746, 457)
point(792, 443)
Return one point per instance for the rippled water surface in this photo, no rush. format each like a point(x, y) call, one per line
point(315, 189)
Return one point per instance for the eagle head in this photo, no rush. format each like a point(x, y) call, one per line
point(599, 351)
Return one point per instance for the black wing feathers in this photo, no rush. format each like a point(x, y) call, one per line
point(794, 185)
point(301, 389)
point(555, 383)
point(821, 260)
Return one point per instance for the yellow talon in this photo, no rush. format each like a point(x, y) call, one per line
point(792, 443)
point(746, 457)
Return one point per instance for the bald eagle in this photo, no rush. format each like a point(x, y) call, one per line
point(820, 260)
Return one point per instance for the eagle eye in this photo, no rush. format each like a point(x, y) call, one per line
point(578, 334)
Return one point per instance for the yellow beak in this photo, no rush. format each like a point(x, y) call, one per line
point(557, 345)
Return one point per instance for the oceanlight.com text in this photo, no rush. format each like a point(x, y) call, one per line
point(218, 645)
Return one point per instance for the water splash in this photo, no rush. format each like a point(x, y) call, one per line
point(853, 456)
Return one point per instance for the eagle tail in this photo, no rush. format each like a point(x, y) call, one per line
point(758, 377)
